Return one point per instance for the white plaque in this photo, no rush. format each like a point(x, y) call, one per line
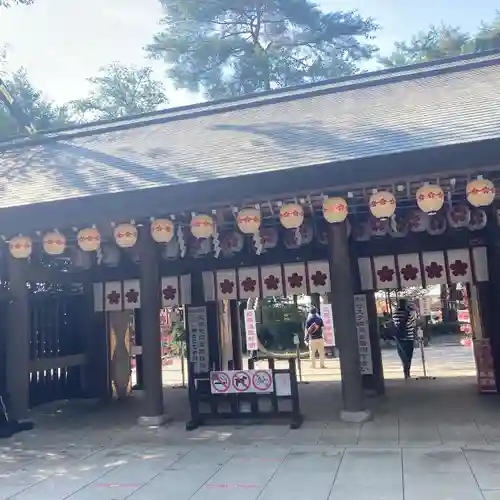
point(198, 339)
point(251, 330)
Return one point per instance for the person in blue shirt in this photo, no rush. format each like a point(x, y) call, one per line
point(314, 337)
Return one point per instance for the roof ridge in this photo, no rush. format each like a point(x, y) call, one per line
point(379, 77)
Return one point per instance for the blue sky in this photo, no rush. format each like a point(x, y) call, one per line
point(62, 42)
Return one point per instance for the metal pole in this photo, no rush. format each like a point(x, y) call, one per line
point(299, 363)
point(183, 373)
point(422, 355)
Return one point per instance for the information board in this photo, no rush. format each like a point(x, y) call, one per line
point(363, 330)
point(251, 330)
point(328, 328)
point(198, 338)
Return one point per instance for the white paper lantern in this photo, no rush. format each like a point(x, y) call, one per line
point(480, 192)
point(89, 239)
point(382, 204)
point(162, 230)
point(248, 220)
point(54, 243)
point(21, 247)
point(125, 235)
point(291, 215)
point(202, 226)
point(430, 198)
point(335, 210)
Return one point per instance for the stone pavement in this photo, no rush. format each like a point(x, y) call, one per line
point(437, 440)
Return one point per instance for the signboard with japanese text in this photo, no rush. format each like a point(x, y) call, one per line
point(242, 382)
point(484, 366)
point(198, 338)
point(328, 328)
point(424, 305)
point(363, 330)
point(251, 330)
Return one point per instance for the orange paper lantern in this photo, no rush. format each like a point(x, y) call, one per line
point(430, 198)
point(248, 220)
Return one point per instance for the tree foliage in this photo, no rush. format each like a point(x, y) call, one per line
point(43, 114)
point(9, 3)
point(121, 90)
point(234, 47)
point(444, 41)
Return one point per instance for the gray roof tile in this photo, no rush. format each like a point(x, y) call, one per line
point(346, 122)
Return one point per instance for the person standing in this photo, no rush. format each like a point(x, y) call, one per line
point(314, 336)
point(405, 326)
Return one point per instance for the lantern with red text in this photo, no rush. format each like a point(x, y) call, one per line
point(54, 243)
point(382, 204)
point(291, 215)
point(89, 239)
point(248, 220)
point(335, 210)
point(21, 247)
point(125, 235)
point(162, 230)
point(202, 226)
point(430, 198)
point(480, 192)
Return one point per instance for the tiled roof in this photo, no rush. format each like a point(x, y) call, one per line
point(376, 114)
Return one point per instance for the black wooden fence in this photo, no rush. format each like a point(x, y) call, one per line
point(57, 349)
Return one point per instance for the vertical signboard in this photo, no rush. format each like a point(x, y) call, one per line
point(251, 330)
point(424, 306)
point(363, 330)
point(198, 339)
point(484, 366)
point(328, 329)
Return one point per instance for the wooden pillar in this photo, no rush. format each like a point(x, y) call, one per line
point(345, 325)
point(17, 341)
point(152, 406)
point(236, 334)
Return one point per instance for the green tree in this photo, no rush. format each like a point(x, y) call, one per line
point(8, 3)
point(234, 47)
point(119, 91)
point(444, 41)
point(43, 114)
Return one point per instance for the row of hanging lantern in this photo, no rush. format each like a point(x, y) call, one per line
point(430, 199)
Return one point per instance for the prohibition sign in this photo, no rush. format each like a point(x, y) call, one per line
point(241, 381)
point(262, 380)
point(220, 382)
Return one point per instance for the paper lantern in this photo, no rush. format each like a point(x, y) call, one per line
point(162, 230)
point(89, 239)
point(480, 192)
point(21, 247)
point(335, 210)
point(382, 204)
point(125, 235)
point(291, 215)
point(249, 220)
point(430, 198)
point(54, 243)
point(202, 226)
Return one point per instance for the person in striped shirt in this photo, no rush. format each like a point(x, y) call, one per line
point(405, 325)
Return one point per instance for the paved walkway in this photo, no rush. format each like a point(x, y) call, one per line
point(437, 440)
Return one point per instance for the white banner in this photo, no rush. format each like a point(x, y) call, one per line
point(424, 305)
point(242, 382)
point(198, 338)
point(251, 330)
point(363, 329)
point(328, 329)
